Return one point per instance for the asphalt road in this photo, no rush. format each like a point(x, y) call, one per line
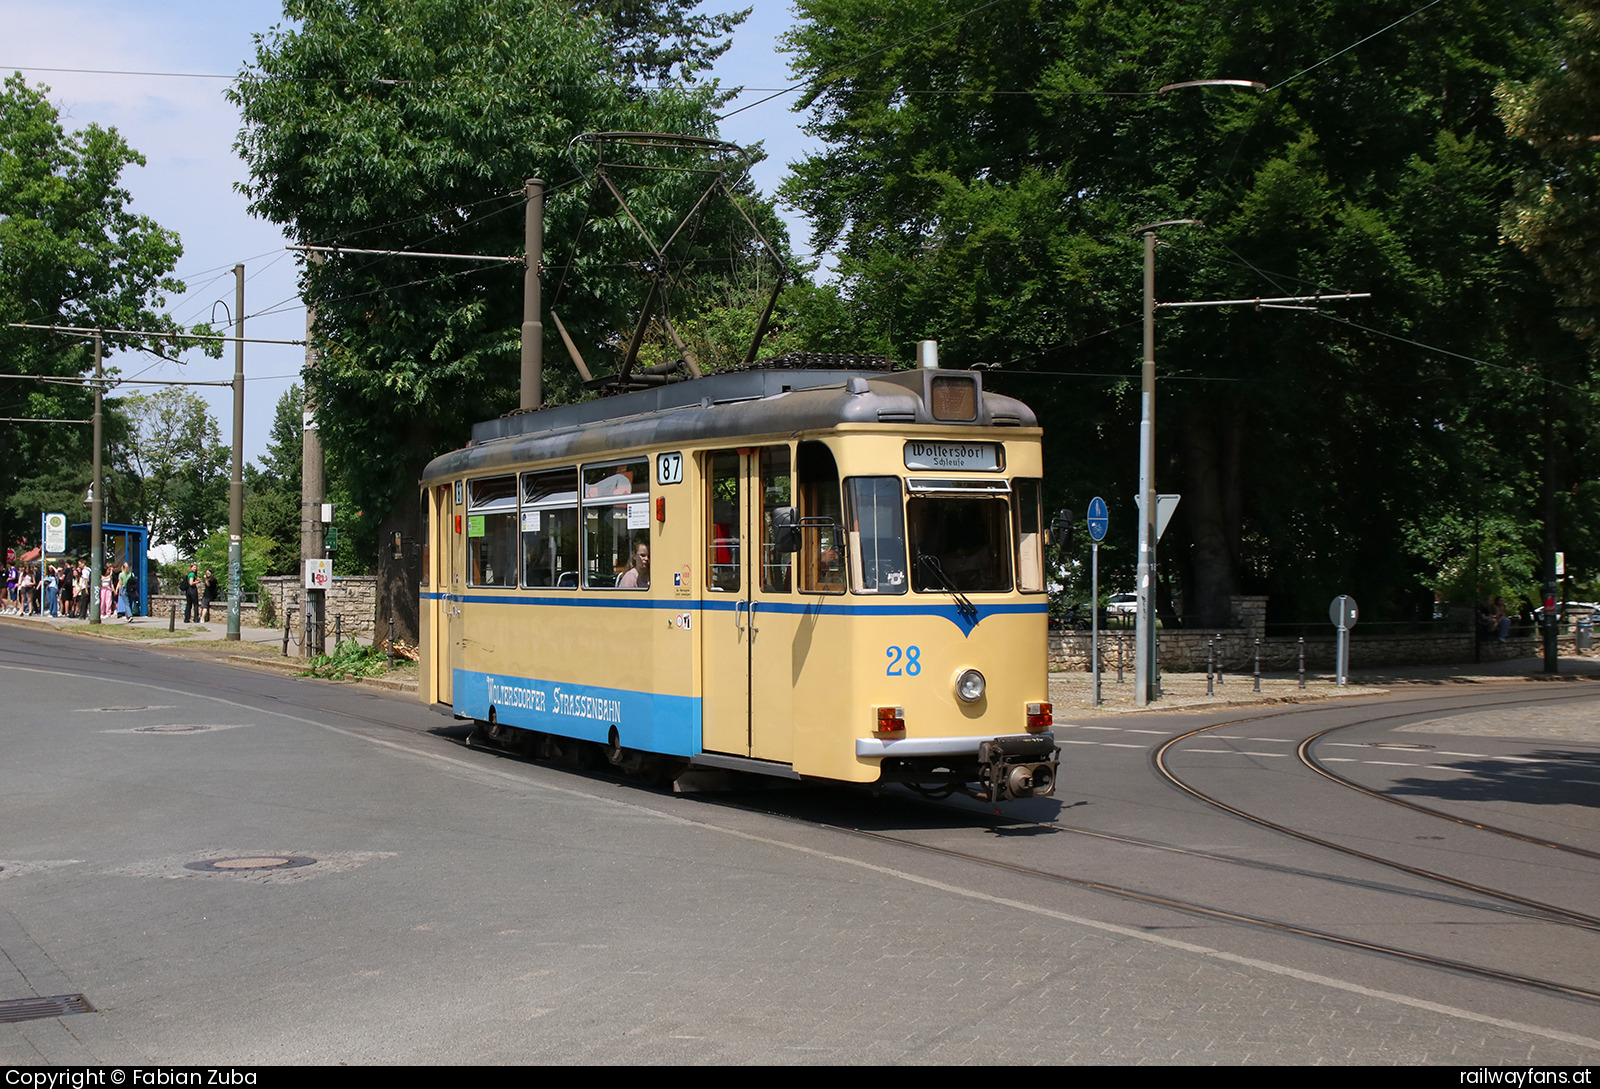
point(236, 866)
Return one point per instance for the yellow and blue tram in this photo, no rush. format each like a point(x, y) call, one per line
point(816, 573)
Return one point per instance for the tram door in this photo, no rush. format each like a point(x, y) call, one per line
point(452, 563)
point(749, 619)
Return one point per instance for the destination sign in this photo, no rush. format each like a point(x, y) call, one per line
point(975, 456)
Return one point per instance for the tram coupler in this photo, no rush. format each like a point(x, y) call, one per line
point(1019, 766)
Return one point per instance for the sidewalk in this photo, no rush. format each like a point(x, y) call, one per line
point(258, 647)
point(1072, 693)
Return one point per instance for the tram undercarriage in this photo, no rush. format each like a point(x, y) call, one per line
point(1004, 769)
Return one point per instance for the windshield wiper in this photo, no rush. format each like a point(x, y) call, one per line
point(932, 565)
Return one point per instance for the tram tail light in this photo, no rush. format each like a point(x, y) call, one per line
point(661, 508)
point(1041, 716)
point(890, 721)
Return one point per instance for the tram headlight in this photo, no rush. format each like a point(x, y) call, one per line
point(970, 686)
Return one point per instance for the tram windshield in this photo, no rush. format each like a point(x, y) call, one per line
point(959, 544)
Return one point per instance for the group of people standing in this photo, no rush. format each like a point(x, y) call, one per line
point(59, 589)
point(198, 592)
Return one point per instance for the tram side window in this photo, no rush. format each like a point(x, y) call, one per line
point(616, 520)
point(427, 533)
point(877, 540)
point(777, 568)
point(1030, 535)
point(822, 533)
point(492, 531)
point(550, 529)
point(725, 533)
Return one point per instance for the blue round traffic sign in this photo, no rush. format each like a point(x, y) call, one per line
point(1099, 518)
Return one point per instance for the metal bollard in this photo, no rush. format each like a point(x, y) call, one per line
point(338, 630)
point(1158, 666)
point(172, 617)
point(1119, 657)
point(391, 642)
point(1258, 665)
point(288, 613)
point(1302, 661)
point(1219, 658)
point(1211, 657)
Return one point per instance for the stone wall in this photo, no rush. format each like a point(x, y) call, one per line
point(352, 597)
point(1186, 651)
point(161, 606)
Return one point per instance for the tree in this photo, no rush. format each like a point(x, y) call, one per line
point(1555, 217)
point(649, 38)
point(70, 254)
point(272, 488)
point(399, 125)
point(984, 167)
point(175, 468)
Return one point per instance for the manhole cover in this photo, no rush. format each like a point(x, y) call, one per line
point(249, 863)
point(37, 1009)
point(170, 728)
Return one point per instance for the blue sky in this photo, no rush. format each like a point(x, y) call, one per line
point(186, 129)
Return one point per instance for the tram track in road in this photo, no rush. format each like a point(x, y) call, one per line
point(1190, 907)
point(1552, 912)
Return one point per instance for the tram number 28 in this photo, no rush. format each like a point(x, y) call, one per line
point(907, 662)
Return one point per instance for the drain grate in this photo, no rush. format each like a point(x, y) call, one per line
point(254, 863)
point(39, 1009)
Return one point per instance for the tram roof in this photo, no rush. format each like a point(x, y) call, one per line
point(725, 405)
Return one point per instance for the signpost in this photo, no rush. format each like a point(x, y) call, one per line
point(1146, 667)
point(1343, 612)
point(1099, 519)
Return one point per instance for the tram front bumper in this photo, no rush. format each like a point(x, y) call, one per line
point(1007, 768)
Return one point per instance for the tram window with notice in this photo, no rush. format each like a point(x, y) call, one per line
point(616, 521)
point(492, 531)
point(550, 529)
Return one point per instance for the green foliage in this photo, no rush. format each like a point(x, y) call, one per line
point(70, 254)
point(349, 659)
point(272, 489)
point(1555, 217)
point(175, 468)
point(649, 38)
point(256, 560)
point(979, 185)
point(413, 125)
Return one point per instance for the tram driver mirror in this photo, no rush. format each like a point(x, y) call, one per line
point(1060, 529)
point(785, 530)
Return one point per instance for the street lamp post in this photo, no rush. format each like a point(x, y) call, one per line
point(1144, 626)
point(1144, 623)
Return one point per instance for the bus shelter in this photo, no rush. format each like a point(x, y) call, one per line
point(122, 544)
